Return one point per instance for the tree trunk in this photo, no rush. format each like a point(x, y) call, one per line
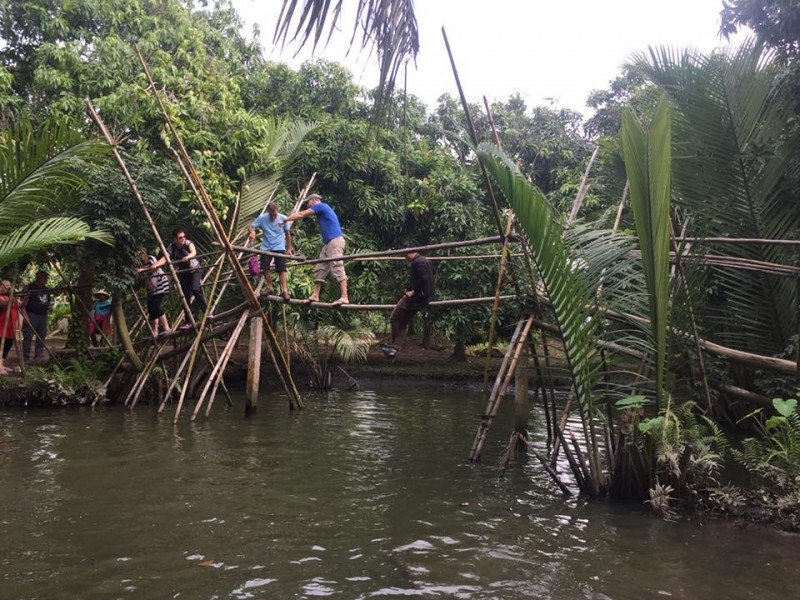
point(460, 351)
point(123, 334)
point(78, 330)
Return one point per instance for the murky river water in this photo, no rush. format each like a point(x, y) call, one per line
point(363, 494)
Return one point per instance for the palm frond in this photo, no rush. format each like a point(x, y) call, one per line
point(45, 233)
point(569, 291)
point(648, 163)
point(40, 169)
point(388, 26)
point(729, 173)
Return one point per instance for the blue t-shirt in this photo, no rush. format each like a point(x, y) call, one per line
point(273, 237)
point(328, 222)
point(101, 307)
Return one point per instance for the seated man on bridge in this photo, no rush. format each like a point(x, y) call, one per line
point(419, 293)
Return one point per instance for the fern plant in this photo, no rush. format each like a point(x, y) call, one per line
point(774, 456)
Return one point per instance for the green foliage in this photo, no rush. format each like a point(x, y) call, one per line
point(322, 348)
point(774, 456)
point(775, 22)
point(41, 172)
point(732, 175)
point(648, 163)
point(76, 383)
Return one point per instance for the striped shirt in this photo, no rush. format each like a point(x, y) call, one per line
point(159, 278)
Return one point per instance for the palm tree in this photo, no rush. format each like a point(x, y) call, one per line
point(735, 160)
point(40, 175)
point(388, 26)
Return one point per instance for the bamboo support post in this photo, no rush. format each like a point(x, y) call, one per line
point(522, 403)
point(205, 203)
point(501, 383)
point(496, 304)
point(560, 427)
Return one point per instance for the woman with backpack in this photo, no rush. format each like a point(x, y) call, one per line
point(157, 285)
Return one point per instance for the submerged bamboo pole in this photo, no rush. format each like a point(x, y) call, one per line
point(501, 383)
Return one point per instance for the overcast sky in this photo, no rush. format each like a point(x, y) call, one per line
point(543, 49)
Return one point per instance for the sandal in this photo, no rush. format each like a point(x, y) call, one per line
point(339, 302)
point(310, 301)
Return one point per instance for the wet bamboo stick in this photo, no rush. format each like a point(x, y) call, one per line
point(501, 383)
point(484, 424)
point(218, 369)
point(560, 427)
point(550, 471)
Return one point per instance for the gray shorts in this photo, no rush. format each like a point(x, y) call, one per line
point(333, 248)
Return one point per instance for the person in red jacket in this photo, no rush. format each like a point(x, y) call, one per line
point(9, 319)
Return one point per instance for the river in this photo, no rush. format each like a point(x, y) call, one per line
point(363, 494)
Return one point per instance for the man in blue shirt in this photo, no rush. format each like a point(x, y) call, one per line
point(332, 246)
point(275, 237)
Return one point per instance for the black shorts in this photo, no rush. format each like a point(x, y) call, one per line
point(280, 262)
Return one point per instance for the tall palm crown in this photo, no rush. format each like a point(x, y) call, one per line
point(388, 26)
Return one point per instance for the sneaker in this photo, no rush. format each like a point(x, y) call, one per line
point(388, 351)
point(186, 326)
point(165, 332)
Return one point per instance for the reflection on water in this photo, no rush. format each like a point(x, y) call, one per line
point(363, 494)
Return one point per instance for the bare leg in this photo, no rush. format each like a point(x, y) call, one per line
point(343, 291)
point(282, 281)
point(317, 289)
point(268, 282)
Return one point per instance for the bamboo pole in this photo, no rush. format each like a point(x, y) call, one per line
point(205, 203)
point(692, 319)
point(378, 254)
point(501, 383)
point(134, 188)
point(496, 304)
point(621, 207)
point(473, 136)
point(584, 187)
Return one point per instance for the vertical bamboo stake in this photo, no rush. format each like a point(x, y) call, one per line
point(521, 399)
point(620, 207)
point(496, 304)
point(576, 206)
point(253, 365)
point(501, 383)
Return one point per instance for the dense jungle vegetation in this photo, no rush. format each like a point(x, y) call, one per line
point(697, 147)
